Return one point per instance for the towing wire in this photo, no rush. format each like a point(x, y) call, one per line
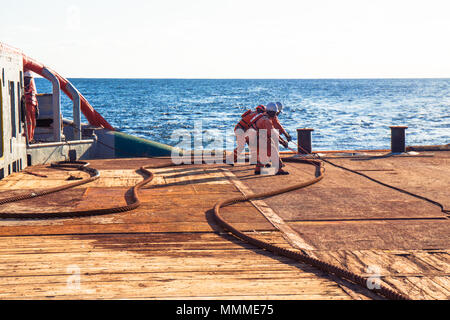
point(94, 175)
point(443, 210)
point(300, 256)
point(441, 206)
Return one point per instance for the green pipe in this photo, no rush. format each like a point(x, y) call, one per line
point(127, 146)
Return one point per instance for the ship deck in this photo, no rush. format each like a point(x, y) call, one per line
point(171, 247)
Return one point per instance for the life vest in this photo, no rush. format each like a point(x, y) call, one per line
point(30, 94)
point(248, 120)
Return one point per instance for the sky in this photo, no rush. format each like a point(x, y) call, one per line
point(233, 38)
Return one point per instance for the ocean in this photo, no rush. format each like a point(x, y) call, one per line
point(345, 114)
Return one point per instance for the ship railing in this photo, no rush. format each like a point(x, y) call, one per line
point(56, 103)
point(56, 108)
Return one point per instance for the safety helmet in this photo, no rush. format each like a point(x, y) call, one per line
point(28, 74)
point(261, 108)
point(279, 106)
point(271, 107)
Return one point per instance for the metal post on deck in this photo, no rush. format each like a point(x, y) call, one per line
point(76, 111)
point(304, 140)
point(398, 139)
point(56, 103)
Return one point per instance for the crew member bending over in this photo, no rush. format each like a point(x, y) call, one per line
point(266, 148)
point(248, 120)
point(31, 105)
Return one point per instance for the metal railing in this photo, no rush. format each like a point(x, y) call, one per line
point(56, 107)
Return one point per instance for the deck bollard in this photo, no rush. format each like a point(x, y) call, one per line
point(398, 139)
point(304, 140)
point(72, 155)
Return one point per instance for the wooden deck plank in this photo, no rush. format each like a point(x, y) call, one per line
point(115, 271)
point(170, 248)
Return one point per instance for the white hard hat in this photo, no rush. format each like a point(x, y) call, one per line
point(279, 106)
point(271, 106)
point(28, 74)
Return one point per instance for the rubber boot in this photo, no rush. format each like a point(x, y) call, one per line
point(281, 172)
point(258, 168)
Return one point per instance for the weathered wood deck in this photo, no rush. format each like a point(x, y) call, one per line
point(170, 247)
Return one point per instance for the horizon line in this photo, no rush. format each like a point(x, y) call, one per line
point(277, 78)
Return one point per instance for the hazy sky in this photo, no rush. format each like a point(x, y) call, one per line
point(233, 39)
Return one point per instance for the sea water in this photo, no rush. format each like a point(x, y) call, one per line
point(345, 114)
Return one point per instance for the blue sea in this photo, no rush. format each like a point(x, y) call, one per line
point(345, 114)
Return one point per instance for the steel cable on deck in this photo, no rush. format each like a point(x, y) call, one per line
point(436, 203)
point(443, 210)
point(94, 175)
point(297, 256)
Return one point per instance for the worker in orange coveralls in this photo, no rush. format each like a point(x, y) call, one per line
point(31, 105)
point(245, 125)
point(267, 148)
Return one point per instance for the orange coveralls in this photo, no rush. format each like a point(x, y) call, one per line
point(238, 130)
point(265, 123)
point(31, 105)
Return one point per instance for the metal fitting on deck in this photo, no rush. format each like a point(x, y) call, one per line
point(304, 140)
point(398, 139)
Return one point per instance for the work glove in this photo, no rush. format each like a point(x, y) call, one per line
point(288, 137)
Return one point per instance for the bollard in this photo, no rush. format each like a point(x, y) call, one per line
point(398, 139)
point(72, 155)
point(304, 140)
